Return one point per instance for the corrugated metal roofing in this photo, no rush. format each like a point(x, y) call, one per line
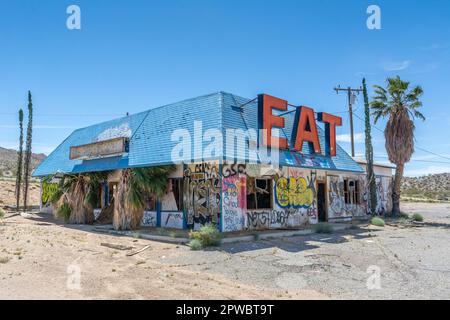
point(150, 134)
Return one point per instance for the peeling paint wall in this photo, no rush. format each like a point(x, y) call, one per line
point(234, 198)
point(338, 209)
point(293, 202)
point(293, 198)
point(202, 194)
point(384, 195)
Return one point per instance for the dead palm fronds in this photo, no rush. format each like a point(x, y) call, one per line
point(81, 192)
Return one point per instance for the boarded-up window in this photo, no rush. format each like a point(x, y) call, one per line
point(351, 191)
point(259, 193)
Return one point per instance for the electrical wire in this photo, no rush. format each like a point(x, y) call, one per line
point(417, 147)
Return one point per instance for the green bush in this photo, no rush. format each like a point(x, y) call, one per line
point(323, 228)
point(377, 222)
point(417, 217)
point(208, 236)
point(64, 212)
point(404, 215)
point(2, 213)
point(195, 244)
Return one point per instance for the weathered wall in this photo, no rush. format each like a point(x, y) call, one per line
point(202, 194)
point(293, 202)
point(234, 199)
point(293, 199)
point(338, 210)
point(218, 194)
point(149, 219)
point(172, 220)
point(384, 195)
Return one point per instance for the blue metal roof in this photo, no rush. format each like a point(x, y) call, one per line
point(150, 134)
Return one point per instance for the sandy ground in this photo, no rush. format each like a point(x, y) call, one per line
point(7, 193)
point(40, 259)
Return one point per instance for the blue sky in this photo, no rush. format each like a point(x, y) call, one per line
point(130, 56)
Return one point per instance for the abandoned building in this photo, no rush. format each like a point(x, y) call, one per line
point(227, 181)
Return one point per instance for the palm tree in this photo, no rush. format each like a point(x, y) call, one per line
point(80, 193)
point(399, 103)
point(129, 196)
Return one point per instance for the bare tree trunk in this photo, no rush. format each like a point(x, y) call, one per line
point(80, 214)
point(397, 189)
point(125, 216)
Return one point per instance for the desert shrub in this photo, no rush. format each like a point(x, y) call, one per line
point(404, 215)
point(208, 236)
point(323, 228)
point(195, 244)
point(417, 217)
point(377, 222)
point(136, 235)
point(64, 211)
point(2, 213)
point(4, 260)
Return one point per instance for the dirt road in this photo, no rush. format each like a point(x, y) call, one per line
point(40, 259)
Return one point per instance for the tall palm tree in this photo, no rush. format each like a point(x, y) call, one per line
point(129, 196)
point(400, 105)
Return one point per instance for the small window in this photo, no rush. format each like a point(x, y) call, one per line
point(351, 191)
point(259, 193)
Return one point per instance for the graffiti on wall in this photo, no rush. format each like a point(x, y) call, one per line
point(294, 192)
point(384, 195)
point(172, 220)
point(294, 202)
point(234, 202)
point(230, 170)
point(338, 207)
point(297, 190)
point(282, 218)
point(202, 194)
point(149, 219)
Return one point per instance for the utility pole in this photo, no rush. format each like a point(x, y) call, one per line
point(351, 95)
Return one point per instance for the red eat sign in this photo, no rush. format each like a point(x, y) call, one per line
point(305, 127)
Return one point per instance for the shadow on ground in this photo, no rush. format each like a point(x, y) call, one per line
point(292, 244)
point(300, 243)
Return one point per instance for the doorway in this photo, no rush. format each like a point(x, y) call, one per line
point(321, 202)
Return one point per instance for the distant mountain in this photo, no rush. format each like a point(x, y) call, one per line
point(433, 187)
point(8, 161)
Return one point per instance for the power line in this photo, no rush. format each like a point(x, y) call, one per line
point(416, 160)
point(351, 93)
point(417, 147)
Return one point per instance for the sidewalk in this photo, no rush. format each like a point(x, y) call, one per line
point(182, 236)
